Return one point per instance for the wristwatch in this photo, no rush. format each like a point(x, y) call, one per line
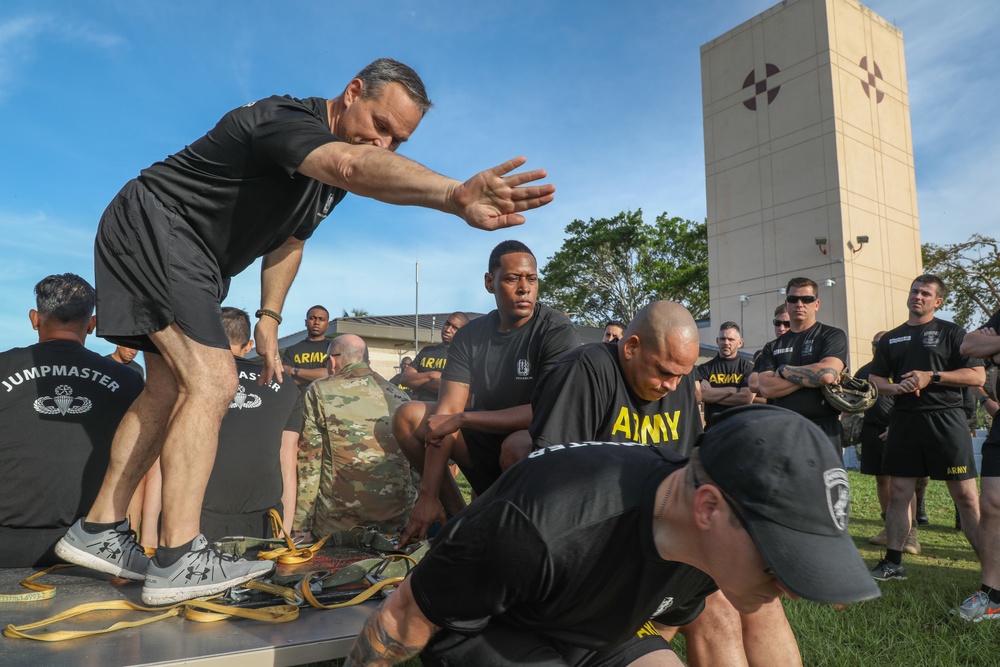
point(936, 378)
point(295, 372)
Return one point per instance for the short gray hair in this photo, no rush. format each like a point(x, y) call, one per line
point(386, 70)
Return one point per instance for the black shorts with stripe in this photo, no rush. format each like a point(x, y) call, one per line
point(933, 443)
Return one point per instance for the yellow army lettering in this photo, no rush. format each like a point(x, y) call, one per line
point(725, 378)
point(648, 630)
point(647, 430)
point(309, 358)
point(958, 470)
point(433, 363)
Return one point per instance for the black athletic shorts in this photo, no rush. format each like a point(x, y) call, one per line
point(871, 448)
point(990, 464)
point(933, 443)
point(215, 526)
point(151, 269)
point(484, 451)
point(501, 646)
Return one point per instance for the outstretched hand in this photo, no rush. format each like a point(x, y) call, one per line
point(492, 200)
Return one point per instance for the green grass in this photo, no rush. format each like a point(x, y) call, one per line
point(909, 625)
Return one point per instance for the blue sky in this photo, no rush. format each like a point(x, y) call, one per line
point(605, 96)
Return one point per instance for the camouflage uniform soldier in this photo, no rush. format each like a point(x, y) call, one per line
point(350, 469)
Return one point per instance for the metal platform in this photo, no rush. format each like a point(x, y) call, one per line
point(316, 635)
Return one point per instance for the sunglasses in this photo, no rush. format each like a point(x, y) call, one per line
point(781, 323)
point(804, 299)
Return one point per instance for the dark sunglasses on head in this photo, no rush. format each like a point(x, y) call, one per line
point(804, 299)
point(781, 323)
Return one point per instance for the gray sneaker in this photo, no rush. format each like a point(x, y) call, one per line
point(977, 607)
point(200, 572)
point(112, 551)
point(885, 571)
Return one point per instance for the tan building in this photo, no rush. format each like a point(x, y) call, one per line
point(809, 168)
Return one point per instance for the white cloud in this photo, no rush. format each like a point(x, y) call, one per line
point(20, 37)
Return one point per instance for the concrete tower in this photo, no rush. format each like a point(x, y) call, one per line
point(809, 168)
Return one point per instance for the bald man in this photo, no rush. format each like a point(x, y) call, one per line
point(351, 471)
point(640, 390)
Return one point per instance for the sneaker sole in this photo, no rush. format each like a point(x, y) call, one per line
point(71, 554)
point(162, 596)
point(893, 578)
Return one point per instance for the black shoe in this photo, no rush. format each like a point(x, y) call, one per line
point(885, 571)
point(922, 518)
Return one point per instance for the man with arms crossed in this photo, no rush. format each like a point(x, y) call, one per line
point(725, 379)
point(921, 365)
point(423, 376)
point(572, 552)
point(306, 360)
point(256, 185)
point(811, 354)
point(641, 390)
point(496, 359)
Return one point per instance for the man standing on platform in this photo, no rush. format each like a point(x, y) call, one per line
point(257, 185)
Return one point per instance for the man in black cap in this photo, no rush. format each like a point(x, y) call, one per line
point(530, 574)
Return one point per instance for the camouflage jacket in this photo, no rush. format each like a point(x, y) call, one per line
point(351, 472)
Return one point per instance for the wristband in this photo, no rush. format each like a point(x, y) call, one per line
point(780, 372)
point(295, 372)
point(269, 313)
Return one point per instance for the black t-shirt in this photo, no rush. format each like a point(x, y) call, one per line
point(926, 347)
point(502, 368)
point(585, 397)
point(878, 414)
point(237, 187)
point(548, 558)
point(246, 476)
point(307, 354)
point(801, 349)
point(131, 364)
point(431, 358)
point(721, 372)
point(60, 405)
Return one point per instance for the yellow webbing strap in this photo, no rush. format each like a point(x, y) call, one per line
point(357, 599)
point(201, 611)
point(41, 591)
point(290, 554)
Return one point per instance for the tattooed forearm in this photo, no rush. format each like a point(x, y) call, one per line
point(805, 377)
point(375, 646)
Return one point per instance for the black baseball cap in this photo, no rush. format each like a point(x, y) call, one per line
point(790, 487)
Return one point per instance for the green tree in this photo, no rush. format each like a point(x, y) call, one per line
point(609, 268)
point(355, 312)
point(971, 272)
